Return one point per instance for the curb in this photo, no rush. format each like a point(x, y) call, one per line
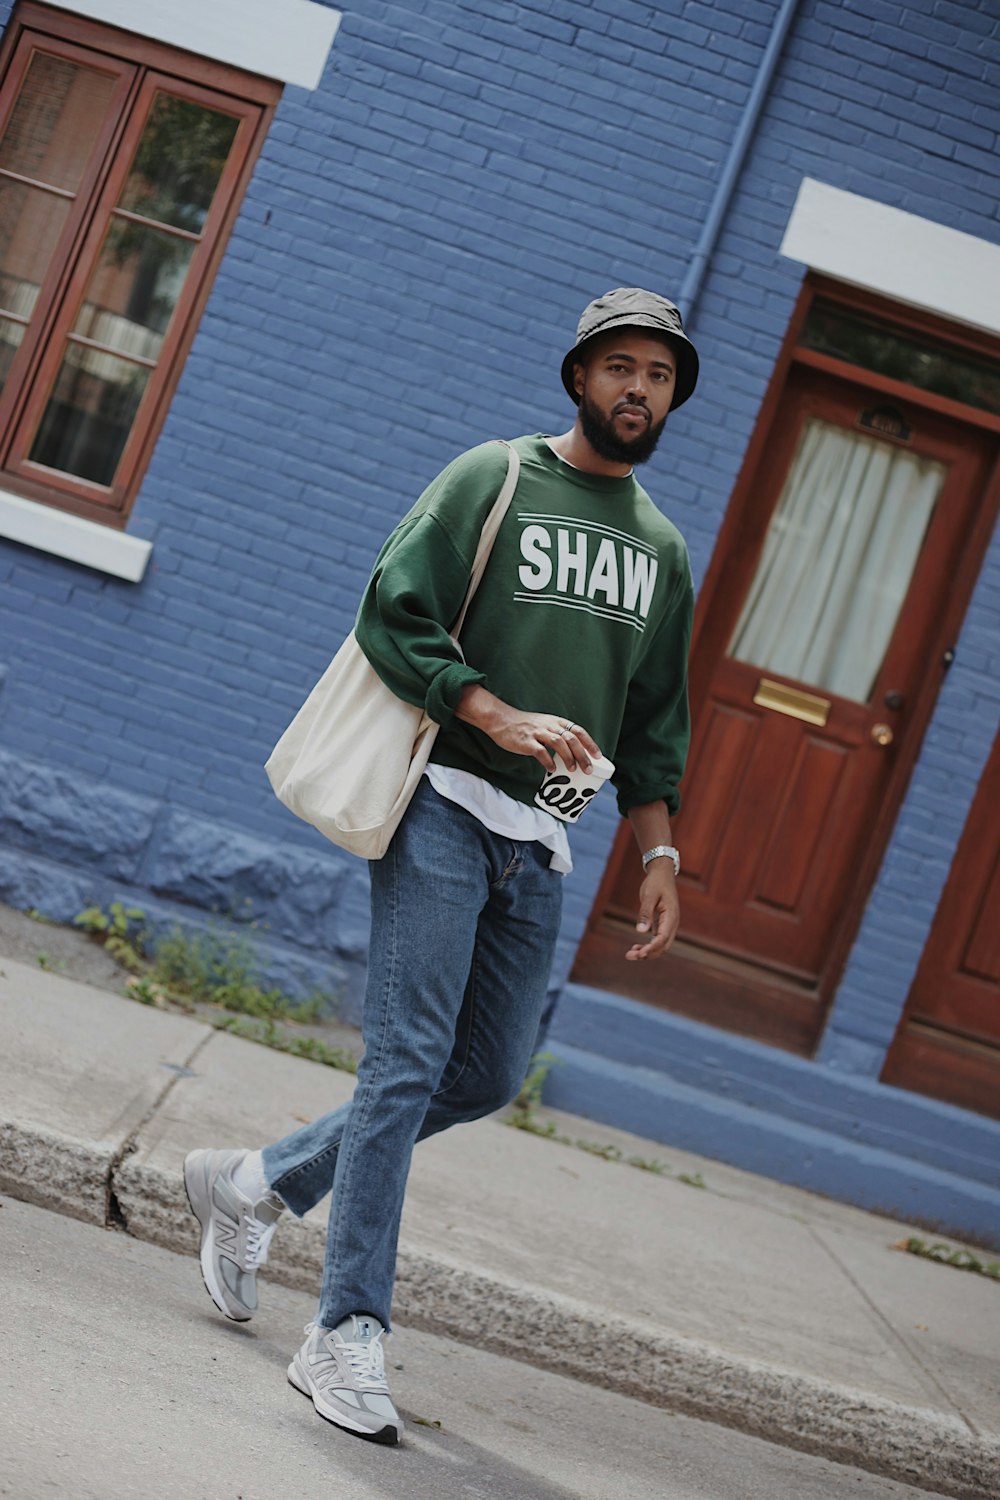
point(913, 1445)
point(56, 1171)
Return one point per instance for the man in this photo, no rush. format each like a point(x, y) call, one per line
point(576, 641)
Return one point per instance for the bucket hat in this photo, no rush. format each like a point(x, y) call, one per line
point(631, 307)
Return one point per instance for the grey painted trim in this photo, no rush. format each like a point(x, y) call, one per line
point(898, 254)
point(289, 42)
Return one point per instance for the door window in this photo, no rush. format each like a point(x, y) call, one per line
point(921, 362)
point(837, 561)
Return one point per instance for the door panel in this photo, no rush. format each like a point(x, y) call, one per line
point(948, 1044)
point(814, 674)
point(795, 848)
point(713, 786)
point(981, 959)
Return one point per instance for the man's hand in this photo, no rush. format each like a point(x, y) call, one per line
point(545, 737)
point(659, 907)
point(659, 911)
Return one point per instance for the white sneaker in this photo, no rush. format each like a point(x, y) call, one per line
point(343, 1370)
point(235, 1232)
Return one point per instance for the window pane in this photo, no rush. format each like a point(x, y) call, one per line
point(929, 366)
point(11, 335)
point(55, 121)
point(31, 221)
point(90, 414)
point(838, 559)
point(134, 289)
point(180, 159)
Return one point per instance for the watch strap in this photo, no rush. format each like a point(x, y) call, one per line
point(662, 851)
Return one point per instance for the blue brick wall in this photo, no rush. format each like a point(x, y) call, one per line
point(417, 241)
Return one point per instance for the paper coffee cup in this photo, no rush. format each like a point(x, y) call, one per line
point(565, 794)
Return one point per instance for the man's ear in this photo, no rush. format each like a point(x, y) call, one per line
point(579, 377)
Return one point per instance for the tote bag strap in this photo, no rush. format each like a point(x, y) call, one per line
point(491, 527)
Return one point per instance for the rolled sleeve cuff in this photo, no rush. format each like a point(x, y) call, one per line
point(446, 689)
point(650, 791)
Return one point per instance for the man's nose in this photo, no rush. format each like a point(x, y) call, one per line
point(637, 389)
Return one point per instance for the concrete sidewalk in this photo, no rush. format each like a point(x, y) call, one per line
point(748, 1303)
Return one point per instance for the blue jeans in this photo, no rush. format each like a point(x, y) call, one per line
point(464, 925)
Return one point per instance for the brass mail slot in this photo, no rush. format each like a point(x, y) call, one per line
point(791, 701)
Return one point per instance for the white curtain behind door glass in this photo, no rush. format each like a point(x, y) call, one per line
point(838, 559)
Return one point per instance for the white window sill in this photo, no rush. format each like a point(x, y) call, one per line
point(63, 535)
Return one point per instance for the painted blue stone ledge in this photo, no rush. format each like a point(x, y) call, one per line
point(688, 1085)
point(29, 881)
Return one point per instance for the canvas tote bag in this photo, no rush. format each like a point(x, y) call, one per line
point(350, 760)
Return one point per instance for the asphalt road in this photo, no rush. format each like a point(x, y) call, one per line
point(119, 1379)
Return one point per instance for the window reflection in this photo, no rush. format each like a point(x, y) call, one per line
point(11, 334)
point(33, 221)
point(135, 288)
point(54, 124)
point(133, 292)
point(48, 138)
point(177, 167)
point(90, 414)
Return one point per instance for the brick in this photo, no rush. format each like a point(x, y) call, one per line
point(932, 143)
point(965, 16)
point(451, 83)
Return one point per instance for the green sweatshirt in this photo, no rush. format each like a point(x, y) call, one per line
point(584, 610)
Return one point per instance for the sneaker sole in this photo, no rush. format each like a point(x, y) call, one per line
point(196, 1189)
point(389, 1435)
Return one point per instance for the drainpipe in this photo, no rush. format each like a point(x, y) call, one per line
point(689, 292)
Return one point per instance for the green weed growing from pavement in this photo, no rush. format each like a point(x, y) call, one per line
point(140, 987)
point(222, 969)
point(210, 968)
point(530, 1095)
point(525, 1117)
point(948, 1255)
point(312, 1048)
point(119, 929)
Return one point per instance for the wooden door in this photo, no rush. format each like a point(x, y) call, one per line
point(813, 678)
point(948, 1043)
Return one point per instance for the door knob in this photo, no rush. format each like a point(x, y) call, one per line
point(882, 734)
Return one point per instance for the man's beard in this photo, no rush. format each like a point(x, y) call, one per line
point(600, 433)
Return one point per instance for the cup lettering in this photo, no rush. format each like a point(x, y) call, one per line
point(559, 793)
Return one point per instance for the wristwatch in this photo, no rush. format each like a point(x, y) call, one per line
point(662, 851)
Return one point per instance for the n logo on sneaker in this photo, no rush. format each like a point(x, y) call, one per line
point(225, 1237)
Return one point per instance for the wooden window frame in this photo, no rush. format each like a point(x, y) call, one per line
point(142, 66)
